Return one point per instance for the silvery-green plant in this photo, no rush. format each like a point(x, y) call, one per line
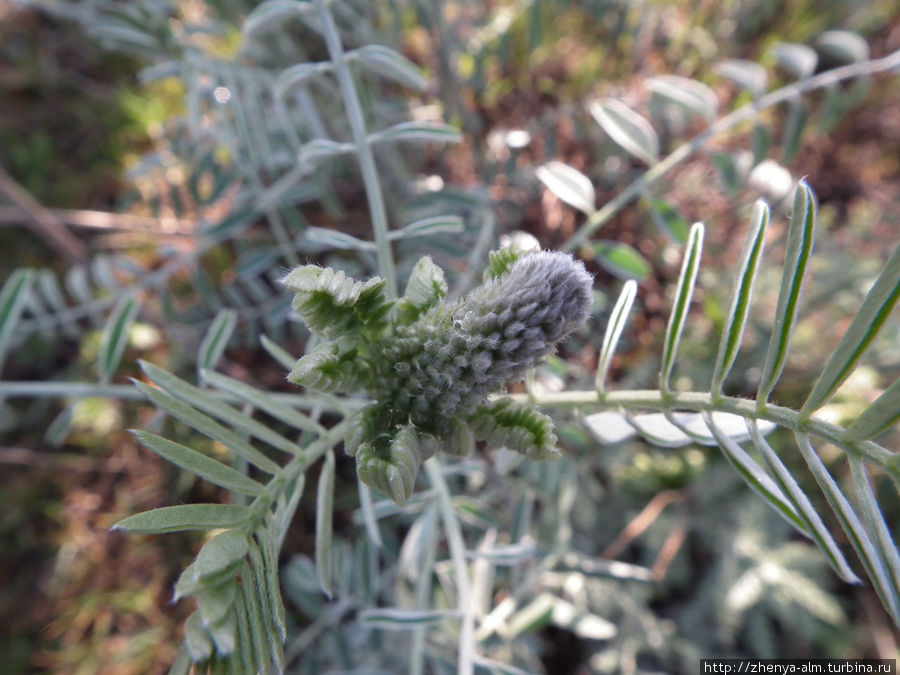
point(505, 577)
point(429, 365)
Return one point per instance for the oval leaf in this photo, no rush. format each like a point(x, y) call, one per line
point(627, 128)
point(609, 427)
point(620, 259)
point(747, 74)
point(569, 184)
point(690, 94)
point(799, 60)
point(272, 14)
point(389, 64)
point(843, 45)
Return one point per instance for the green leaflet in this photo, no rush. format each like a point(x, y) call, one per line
point(209, 427)
point(518, 427)
point(875, 310)
point(185, 517)
point(331, 366)
point(614, 329)
point(324, 512)
point(799, 249)
point(501, 260)
point(334, 305)
point(115, 337)
point(425, 288)
point(204, 401)
point(201, 465)
point(736, 319)
point(217, 561)
point(12, 300)
point(262, 401)
point(216, 339)
point(392, 464)
point(683, 295)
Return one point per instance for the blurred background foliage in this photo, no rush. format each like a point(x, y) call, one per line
point(79, 131)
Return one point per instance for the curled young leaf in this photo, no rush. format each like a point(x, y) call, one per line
point(519, 427)
point(332, 304)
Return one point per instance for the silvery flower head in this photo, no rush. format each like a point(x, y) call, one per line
point(430, 365)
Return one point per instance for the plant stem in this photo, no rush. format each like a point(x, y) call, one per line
point(19, 389)
point(457, 546)
point(367, 165)
point(703, 401)
point(602, 216)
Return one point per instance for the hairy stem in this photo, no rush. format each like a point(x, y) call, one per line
point(602, 216)
point(19, 389)
point(702, 401)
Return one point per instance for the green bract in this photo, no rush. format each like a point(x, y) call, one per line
point(430, 365)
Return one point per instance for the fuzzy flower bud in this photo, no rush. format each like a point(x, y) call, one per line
point(445, 365)
point(430, 365)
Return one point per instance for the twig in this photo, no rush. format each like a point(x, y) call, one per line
point(43, 221)
point(668, 552)
point(602, 216)
point(640, 522)
point(99, 220)
point(55, 460)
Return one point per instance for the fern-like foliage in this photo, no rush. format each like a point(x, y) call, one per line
point(863, 523)
point(240, 619)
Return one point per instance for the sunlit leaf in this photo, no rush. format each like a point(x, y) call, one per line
point(390, 64)
point(569, 184)
point(747, 74)
point(875, 310)
point(417, 131)
point(627, 128)
point(690, 94)
point(683, 295)
point(799, 60)
point(843, 45)
point(799, 249)
point(614, 329)
point(741, 294)
point(815, 528)
point(324, 510)
point(621, 259)
point(185, 517)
